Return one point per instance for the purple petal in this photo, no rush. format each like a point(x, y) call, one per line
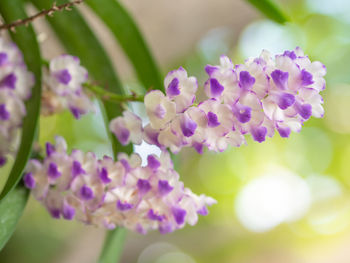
point(173, 88)
point(123, 206)
point(188, 126)
point(76, 112)
point(160, 112)
point(210, 69)
point(216, 88)
point(77, 169)
point(3, 160)
point(143, 185)
point(55, 213)
point(9, 81)
point(152, 137)
point(284, 132)
point(286, 100)
point(104, 176)
point(164, 187)
point(198, 147)
point(259, 134)
point(246, 80)
point(152, 162)
point(126, 165)
point(203, 211)
point(165, 229)
point(123, 135)
point(29, 181)
point(304, 110)
point(4, 113)
point(153, 216)
point(68, 212)
point(49, 149)
point(179, 215)
point(244, 114)
point(280, 78)
point(290, 54)
point(86, 193)
point(306, 78)
point(212, 120)
point(3, 58)
point(52, 171)
point(63, 76)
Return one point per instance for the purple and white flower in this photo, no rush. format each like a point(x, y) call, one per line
point(180, 88)
point(63, 87)
point(114, 194)
point(127, 128)
point(257, 97)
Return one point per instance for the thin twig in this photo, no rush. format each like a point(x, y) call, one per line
point(46, 12)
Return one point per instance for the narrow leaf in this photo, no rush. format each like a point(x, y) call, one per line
point(113, 246)
point(130, 39)
point(11, 208)
point(79, 40)
point(270, 10)
point(25, 38)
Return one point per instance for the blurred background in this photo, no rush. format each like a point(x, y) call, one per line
point(281, 201)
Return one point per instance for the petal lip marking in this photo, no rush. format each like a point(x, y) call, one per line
point(212, 120)
point(246, 80)
point(86, 193)
point(280, 78)
point(179, 215)
point(143, 185)
point(216, 88)
point(173, 88)
point(164, 187)
point(124, 206)
point(4, 113)
point(53, 171)
point(63, 76)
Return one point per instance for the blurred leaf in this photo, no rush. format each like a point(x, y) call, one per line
point(11, 208)
point(25, 38)
point(79, 40)
point(113, 246)
point(127, 33)
point(270, 10)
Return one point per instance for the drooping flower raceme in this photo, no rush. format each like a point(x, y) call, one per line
point(16, 83)
point(110, 194)
point(63, 87)
point(258, 97)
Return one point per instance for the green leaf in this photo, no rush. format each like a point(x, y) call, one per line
point(270, 10)
point(25, 38)
point(130, 39)
point(113, 246)
point(11, 208)
point(79, 40)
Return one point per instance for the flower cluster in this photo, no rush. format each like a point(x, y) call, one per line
point(63, 87)
point(16, 83)
point(110, 194)
point(258, 97)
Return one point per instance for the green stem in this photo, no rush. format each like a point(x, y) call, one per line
point(111, 96)
point(113, 246)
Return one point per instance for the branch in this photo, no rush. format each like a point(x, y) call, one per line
point(46, 12)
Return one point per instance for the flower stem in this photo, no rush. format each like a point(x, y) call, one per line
point(113, 246)
point(111, 96)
